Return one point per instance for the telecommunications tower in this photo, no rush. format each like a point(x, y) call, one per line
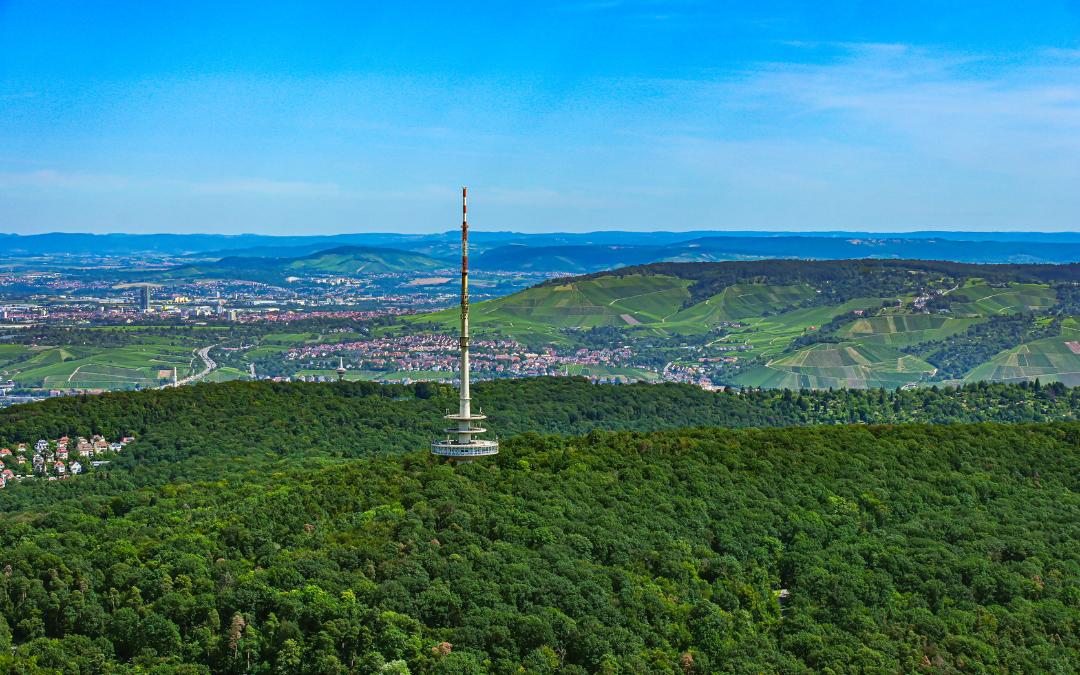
point(461, 444)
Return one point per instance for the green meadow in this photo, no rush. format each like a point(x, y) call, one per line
point(128, 367)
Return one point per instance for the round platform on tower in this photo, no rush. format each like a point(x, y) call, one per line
point(474, 448)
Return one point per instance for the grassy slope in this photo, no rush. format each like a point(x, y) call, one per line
point(824, 365)
point(978, 298)
point(1049, 359)
point(902, 330)
point(372, 261)
point(634, 301)
point(839, 365)
point(545, 310)
point(97, 368)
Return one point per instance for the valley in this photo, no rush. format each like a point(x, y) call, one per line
point(773, 324)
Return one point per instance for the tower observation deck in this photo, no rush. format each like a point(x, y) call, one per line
point(461, 443)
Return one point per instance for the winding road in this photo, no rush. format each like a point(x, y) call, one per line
point(210, 364)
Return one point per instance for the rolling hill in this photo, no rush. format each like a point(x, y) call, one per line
point(596, 256)
point(808, 324)
point(342, 260)
point(568, 259)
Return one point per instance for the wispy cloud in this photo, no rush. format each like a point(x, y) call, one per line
point(545, 197)
point(262, 186)
point(100, 182)
point(979, 111)
point(52, 179)
point(17, 96)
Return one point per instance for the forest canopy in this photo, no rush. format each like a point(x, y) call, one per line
point(847, 548)
point(300, 528)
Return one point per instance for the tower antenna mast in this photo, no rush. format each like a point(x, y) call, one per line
point(461, 444)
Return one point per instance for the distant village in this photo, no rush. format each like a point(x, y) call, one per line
point(433, 353)
point(57, 459)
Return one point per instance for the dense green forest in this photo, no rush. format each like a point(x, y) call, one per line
point(281, 528)
point(853, 548)
point(841, 280)
point(248, 431)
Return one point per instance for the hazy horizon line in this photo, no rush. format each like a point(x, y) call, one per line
point(475, 230)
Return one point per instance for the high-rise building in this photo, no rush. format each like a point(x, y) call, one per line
point(144, 298)
point(461, 443)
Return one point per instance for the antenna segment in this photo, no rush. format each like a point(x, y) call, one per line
point(460, 443)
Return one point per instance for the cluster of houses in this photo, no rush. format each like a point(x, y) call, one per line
point(57, 459)
point(435, 353)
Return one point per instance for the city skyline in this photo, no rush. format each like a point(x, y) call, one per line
point(284, 119)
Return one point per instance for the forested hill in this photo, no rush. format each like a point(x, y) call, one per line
point(832, 549)
point(265, 432)
point(342, 260)
point(837, 279)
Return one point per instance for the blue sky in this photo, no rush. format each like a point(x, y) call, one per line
point(317, 117)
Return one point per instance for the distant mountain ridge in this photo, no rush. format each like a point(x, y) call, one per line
point(580, 259)
point(344, 260)
point(692, 245)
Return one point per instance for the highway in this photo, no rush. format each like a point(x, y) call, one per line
point(208, 362)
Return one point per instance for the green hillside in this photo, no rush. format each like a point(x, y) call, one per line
point(742, 301)
point(980, 299)
point(901, 330)
point(361, 260)
point(544, 311)
point(343, 260)
point(634, 301)
point(1053, 359)
point(839, 365)
point(883, 323)
point(108, 358)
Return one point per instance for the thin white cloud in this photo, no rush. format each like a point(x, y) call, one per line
point(1017, 116)
point(543, 197)
point(262, 186)
point(98, 182)
point(51, 179)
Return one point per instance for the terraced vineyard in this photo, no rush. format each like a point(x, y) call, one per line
point(147, 360)
point(847, 365)
point(1050, 359)
point(95, 368)
point(977, 298)
point(902, 330)
point(738, 302)
point(547, 310)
